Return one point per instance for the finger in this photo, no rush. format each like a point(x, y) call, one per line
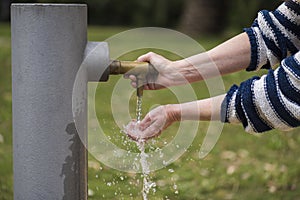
point(133, 84)
point(132, 77)
point(145, 123)
point(130, 130)
point(132, 137)
point(146, 57)
point(153, 136)
point(130, 125)
point(152, 131)
point(143, 58)
point(151, 86)
point(146, 87)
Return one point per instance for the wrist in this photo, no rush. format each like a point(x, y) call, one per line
point(188, 69)
point(180, 63)
point(173, 112)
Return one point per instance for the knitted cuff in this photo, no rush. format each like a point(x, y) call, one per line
point(225, 104)
point(254, 49)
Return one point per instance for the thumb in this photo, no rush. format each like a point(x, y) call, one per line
point(145, 123)
point(146, 57)
point(143, 58)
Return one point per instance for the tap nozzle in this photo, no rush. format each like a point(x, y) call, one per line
point(142, 70)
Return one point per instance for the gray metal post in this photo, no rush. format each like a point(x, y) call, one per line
point(48, 44)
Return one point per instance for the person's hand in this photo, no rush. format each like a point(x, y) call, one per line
point(154, 123)
point(169, 74)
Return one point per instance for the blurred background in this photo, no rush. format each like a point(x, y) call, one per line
point(190, 16)
point(241, 166)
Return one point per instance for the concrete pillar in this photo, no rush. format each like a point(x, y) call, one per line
point(48, 44)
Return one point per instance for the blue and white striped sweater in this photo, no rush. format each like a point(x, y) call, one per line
point(272, 101)
point(274, 35)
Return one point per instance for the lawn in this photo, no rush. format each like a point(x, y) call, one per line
point(241, 166)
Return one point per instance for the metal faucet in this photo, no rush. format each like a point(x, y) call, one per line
point(142, 71)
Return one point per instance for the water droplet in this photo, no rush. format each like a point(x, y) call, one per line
point(161, 154)
point(153, 142)
point(90, 192)
point(165, 163)
point(175, 187)
point(171, 170)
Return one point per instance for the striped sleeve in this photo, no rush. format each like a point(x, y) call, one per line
point(274, 35)
point(268, 102)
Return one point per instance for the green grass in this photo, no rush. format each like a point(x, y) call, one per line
point(241, 166)
point(6, 178)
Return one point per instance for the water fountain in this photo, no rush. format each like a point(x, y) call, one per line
point(49, 48)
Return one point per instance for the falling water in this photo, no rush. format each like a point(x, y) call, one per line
point(147, 183)
point(139, 109)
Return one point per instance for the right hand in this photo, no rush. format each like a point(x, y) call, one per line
point(154, 122)
point(168, 72)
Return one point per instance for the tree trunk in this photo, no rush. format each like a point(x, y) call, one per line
point(5, 10)
point(203, 17)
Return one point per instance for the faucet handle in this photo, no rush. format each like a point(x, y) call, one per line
point(143, 71)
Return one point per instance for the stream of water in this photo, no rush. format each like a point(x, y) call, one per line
point(139, 102)
point(147, 183)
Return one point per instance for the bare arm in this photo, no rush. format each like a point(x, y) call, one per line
point(204, 109)
point(230, 56)
point(162, 117)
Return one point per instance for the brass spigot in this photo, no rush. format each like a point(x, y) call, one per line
point(142, 70)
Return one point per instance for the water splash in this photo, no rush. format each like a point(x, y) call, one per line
point(133, 129)
point(147, 183)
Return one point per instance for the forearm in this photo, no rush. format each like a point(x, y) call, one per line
point(233, 55)
point(230, 56)
point(205, 109)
